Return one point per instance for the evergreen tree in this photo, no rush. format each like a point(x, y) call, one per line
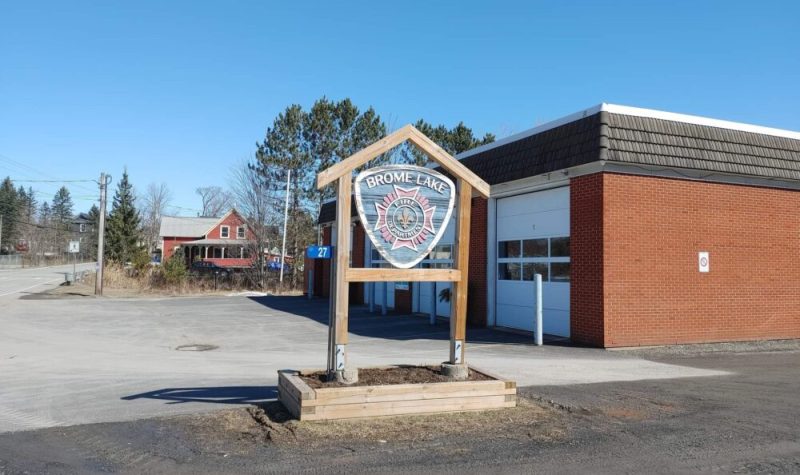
point(9, 210)
point(44, 214)
point(31, 204)
point(61, 217)
point(62, 207)
point(43, 241)
point(123, 230)
point(94, 223)
point(454, 141)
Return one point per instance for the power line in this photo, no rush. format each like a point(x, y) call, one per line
point(23, 166)
point(39, 226)
point(53, 181)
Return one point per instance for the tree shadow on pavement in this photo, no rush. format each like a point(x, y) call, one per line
point(257, 395)
point(395, 326)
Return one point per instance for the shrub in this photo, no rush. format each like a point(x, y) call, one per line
point(174, 269)
point(140, 262)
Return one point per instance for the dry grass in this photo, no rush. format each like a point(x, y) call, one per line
point(124, 282)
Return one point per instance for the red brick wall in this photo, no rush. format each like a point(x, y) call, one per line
point(322, 266)
point(477, 284)
point(586, 248)
point(654, 293)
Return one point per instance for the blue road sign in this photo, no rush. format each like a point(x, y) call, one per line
point(319, 252)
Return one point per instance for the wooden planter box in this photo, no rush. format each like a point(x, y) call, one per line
point(309, 404)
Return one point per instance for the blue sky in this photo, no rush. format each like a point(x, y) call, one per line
point(180, 91)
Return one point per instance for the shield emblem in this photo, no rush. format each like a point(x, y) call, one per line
point(405, 210)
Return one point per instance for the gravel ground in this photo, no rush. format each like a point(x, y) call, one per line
point(742, 422)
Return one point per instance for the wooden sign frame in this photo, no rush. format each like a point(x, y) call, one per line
point(467, 182)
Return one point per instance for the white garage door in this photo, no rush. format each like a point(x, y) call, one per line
point(533, 237)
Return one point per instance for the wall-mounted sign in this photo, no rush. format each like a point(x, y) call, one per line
point(405, 210)
point(319, 252)
point(703, 262)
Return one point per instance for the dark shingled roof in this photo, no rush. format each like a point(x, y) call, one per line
point(643, 141)
point(635, 140)
point(649, 141)
point(574, 143)
point(327, 213)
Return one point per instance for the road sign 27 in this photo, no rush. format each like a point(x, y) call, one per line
point(319, 252)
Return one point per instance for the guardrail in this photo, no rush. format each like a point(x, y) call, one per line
point(12, 261)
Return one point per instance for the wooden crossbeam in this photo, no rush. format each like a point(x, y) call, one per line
point(402, 275)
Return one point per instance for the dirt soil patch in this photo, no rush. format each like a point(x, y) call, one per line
point(272, 423)
point(393, 375)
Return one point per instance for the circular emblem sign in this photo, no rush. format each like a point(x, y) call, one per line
point(404, 209)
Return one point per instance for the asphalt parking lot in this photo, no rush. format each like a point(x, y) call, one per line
point(742, 421)
point(82, 360)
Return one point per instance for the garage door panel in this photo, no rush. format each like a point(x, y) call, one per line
point(557, 198)
point(543, 214)
point(528, 225)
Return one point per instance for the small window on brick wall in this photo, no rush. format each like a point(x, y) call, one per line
point(224, 232)
point(521, 259)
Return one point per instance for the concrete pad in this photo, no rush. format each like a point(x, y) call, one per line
point(74, 361)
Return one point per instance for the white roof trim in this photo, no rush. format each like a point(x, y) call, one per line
point(698, 120)
point(638, 112)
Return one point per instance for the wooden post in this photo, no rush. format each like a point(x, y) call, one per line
point(458, 299)
point(342, 264)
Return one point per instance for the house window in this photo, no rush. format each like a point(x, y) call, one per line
point(240, 232)
point(224, 232)
point(522, 259)
point(82, 227)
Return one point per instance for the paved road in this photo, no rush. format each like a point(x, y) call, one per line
point(14, 282)
point(84, 359)
point(745, 421)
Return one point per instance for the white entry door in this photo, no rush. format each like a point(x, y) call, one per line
point(533, 237)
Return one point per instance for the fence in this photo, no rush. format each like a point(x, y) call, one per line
point(11, 261)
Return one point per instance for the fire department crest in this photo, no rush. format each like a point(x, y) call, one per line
point(405, 210)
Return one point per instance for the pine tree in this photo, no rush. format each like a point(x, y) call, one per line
point(9, 207)
point(62, 207)
point(43, 241)
point(61, 217)
point(123, 231)
point(94, 223)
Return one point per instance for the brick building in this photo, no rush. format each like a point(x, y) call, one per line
point(615, 206)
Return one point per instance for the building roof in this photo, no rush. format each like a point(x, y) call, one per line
point(636, 137)
point(180, 226)
point(327, 213)
point(630, 135)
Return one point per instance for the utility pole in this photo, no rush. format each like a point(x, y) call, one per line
point(101, 231)
point(1, 232)
point(285, 219)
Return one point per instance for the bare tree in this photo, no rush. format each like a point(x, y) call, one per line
point(215, 200)
point(255, 201)
point(156, 200)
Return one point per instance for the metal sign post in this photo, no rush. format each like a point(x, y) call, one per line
point(316, 252)
point(537, 279)
point(74, 249)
